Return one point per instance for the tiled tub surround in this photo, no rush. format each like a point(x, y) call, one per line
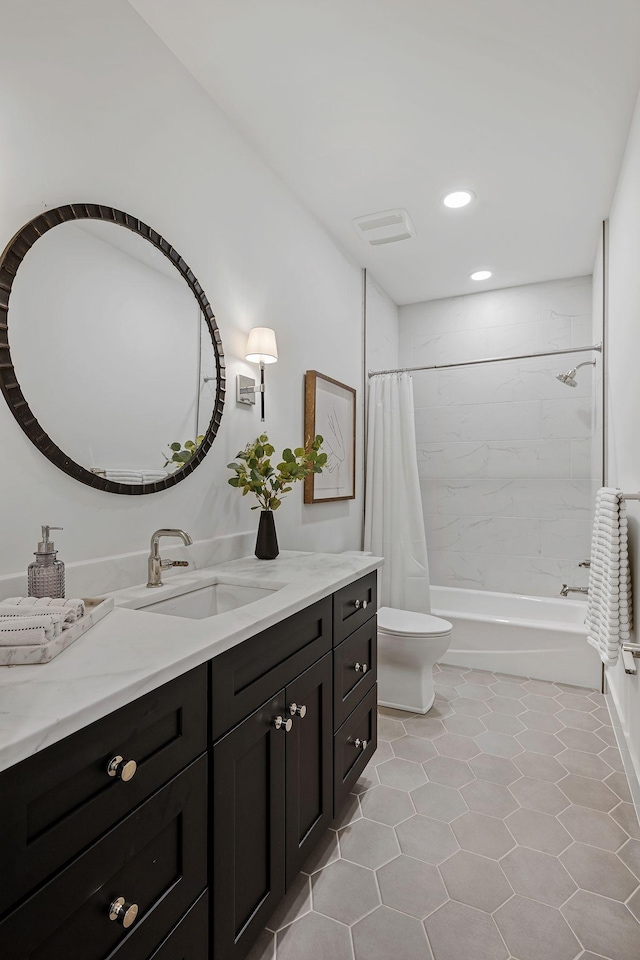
point(504, 450)
point(498, 827)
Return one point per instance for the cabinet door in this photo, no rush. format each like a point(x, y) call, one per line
point(155, 858)
point(309, 767)
point(189, 940)
point(248, 829)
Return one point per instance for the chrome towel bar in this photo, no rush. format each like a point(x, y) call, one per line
point(630, 653)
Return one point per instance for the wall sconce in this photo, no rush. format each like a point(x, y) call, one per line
point(261, 348)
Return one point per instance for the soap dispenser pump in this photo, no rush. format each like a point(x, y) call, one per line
point(46, 573)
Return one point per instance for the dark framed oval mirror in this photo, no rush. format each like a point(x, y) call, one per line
point(111, 359)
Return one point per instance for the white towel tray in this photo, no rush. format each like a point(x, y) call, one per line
point(95, 608)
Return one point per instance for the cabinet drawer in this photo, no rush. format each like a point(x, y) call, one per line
point(190, 939)
point(348, 756)
point(248, 675)
point(156, 858)
point(60, 800)
point(354, 605)
point(354, 670)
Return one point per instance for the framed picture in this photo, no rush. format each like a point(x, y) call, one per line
point(330, 410)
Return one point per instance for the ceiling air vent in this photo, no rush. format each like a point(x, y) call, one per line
point(385, 227)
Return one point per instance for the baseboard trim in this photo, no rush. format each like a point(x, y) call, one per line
point(632, 774)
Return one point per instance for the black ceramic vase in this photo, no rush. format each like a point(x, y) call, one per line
point(267, 541)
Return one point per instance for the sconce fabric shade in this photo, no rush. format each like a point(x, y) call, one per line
point(261, 345)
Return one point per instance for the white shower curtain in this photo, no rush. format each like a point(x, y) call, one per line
point(394, 522)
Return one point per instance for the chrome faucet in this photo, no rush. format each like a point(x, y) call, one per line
point(566, 589)
point(156, 564)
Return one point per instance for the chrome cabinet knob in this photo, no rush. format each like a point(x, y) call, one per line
point(361, 603)
point(361, 667)
point(281, 724)
point(125, 913)
point(122, 769)
point(360, 744)
point(297, 709)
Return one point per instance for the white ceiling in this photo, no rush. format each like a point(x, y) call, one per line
point(365, 105)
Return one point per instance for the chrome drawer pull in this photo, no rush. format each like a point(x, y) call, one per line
point(298, 709)
point(281, 724)
point(361, 667)
point(124, 913)
point(361, 603)
point(122, 769)
point(360, 744)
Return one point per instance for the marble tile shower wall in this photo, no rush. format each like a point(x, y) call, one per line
point(504, 450)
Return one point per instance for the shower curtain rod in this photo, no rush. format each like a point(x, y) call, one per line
point(473, 363)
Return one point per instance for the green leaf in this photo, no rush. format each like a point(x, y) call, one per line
point(234, 481)
point(287, 455)
point(174, 446)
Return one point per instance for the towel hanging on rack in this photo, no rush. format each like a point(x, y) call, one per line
point(609, 605)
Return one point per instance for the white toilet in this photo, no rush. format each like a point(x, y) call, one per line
point(409, 644)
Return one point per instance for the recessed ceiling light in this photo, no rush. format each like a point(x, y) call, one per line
point(459, 198)
point(480, 275)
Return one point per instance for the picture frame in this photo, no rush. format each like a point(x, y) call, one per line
point(330, 410)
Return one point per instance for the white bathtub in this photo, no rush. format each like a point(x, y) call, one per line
point(536, 637)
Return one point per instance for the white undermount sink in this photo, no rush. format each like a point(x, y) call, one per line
point(207, 601)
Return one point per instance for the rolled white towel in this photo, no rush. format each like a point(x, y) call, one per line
point(64, 617)
point(135, 476)
point(75, 607)
point(17, 631)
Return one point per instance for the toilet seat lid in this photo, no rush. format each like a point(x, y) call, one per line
point(408, 623)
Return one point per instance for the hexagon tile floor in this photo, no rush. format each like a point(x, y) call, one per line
point(498, 827)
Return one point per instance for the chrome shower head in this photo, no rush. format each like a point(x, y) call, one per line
point(570, 376)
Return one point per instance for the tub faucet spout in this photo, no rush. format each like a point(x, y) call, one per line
point(566, 590)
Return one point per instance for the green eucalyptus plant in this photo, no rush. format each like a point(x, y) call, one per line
point(179, 454)
point(255, 474)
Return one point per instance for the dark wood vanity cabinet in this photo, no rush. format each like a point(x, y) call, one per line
point(241, 766)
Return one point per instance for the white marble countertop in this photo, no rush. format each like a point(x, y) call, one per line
point(131, 652)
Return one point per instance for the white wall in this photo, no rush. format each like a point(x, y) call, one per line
point(382, 327)
point(504, 450)
point(95, 108)
point(623, 398)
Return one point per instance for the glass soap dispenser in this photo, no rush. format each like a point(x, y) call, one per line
point(46, 573)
